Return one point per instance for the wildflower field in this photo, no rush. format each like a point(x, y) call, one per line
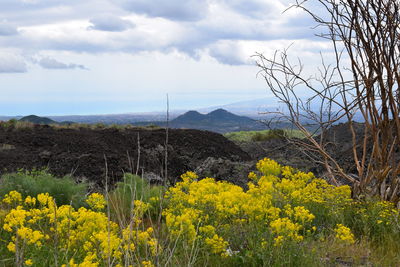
point(284, 217)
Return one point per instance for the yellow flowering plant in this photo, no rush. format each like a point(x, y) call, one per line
point(84, 237)
point(273, 221)
point(277, 204)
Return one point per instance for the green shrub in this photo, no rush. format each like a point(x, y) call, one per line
point(256, 136)
point(64, 190)
point(268, 135)
point(133, 188)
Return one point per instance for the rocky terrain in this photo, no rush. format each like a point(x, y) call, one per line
point(85, 153)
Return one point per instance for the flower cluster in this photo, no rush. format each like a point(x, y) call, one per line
point(12, 197)
point(86, 237)
point(277, 203)
point(96, 201)
point(344, 234)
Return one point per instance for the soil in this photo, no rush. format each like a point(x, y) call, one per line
point(86, 152)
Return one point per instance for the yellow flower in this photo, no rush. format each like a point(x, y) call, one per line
point(15, 218)
point(13, 197)
point(140, 208)
point(217, 244)
point(287, 229)
point(269, 167)
point(344, 234)
point(189, 177)
point(30, 201)
point(29, 262)
point(147, 264)
point(302, 214)
point(11, 246)
point(96, 201)
point(252, 176)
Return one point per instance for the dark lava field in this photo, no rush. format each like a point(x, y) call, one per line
point(85, 153)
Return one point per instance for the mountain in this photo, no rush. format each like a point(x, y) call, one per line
point(219, 116)
point(219, 120)
point(190, 117)
point(250, 108)
point(38, 120)
point(222, 115)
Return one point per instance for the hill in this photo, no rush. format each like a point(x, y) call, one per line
point(220, 121)
point(38, 120)
point(214, 117)
point(189, 117)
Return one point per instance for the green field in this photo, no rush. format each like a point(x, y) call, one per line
point(251, 136)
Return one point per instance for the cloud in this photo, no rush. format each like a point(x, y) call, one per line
point(51, 63)
point(188, 10)
point(241, 52)
point(110, 23)
point(12, 64)
point(229, 52)
point(7, 29)
point(256, 8)
point(192, 27)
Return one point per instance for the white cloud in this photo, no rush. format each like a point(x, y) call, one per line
point(188, 10)
point(111, 23)
point(51, 63)
point(257, 8)
point(7, 29)
point(11, 63)
point(191, 27)
point(233, 52)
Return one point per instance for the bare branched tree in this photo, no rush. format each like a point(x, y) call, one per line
point(362, 80)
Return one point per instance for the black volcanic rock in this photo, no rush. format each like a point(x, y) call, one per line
point(82, 151)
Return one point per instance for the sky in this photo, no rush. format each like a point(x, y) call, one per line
point(64, 57)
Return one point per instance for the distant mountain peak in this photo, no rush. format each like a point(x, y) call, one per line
point(224, 115)
point(219, 111)
point(192, 112)
point(214, 117)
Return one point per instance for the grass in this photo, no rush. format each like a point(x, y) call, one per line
point(25, 125)
point(133, 188)
point(264, 135)
point(31, 183)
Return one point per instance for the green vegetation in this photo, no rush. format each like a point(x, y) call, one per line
point(284, 218)
point(255, 136)
point(133, 188)
point(18, 125)
point(31, 183)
